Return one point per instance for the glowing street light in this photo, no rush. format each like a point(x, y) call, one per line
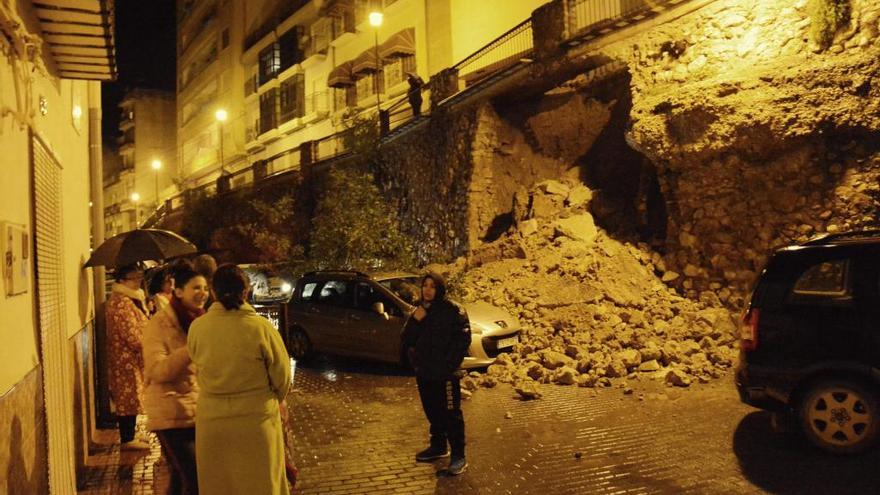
point(221, 116)
point(376, 19)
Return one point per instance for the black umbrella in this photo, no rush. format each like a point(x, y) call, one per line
point(140, 245)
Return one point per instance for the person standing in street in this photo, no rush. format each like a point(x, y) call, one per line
point(126, 315)
point(160, 289)
point(244, 376)
point(436, 338)
point(171, 390)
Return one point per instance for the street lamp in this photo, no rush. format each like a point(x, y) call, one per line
point(376, 22)
point(135, 197)
point(157, 165)
point(221, 117)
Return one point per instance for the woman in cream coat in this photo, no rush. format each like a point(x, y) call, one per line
point(171, 391)
point(244, 374)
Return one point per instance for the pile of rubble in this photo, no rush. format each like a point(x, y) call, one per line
point(595, 311)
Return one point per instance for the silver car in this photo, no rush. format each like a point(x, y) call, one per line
point(354, 314)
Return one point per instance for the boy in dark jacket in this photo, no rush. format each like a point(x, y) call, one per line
point(436, 339)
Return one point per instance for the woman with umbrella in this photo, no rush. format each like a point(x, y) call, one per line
point(126, 313)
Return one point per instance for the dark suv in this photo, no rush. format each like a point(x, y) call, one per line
point(810, 348)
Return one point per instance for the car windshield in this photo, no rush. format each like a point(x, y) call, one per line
point(406, 288)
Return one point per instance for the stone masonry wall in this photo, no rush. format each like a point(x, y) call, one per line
point(760, 138)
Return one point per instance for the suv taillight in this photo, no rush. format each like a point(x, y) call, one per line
point(749, 330)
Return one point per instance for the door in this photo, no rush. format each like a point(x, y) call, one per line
point(379, 333)
point(324, 314)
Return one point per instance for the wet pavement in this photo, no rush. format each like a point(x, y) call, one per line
point(357, 427)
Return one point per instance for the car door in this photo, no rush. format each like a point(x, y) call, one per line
point(379, 333)
point(326, 315)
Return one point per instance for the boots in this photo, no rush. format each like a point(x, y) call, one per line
point(435, 451)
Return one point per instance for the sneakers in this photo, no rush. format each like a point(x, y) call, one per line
point(431, 453)
point(457, 466)
point(135, 445)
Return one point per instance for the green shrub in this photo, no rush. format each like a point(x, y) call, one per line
point(354, 228)
point(826, 18)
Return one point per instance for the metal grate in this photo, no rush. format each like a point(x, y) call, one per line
point(51, 309)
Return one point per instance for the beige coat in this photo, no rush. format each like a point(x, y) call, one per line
point(125, 360)
point(171, 390)
point(244, 371)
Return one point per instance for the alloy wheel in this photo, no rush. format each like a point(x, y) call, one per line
point(839, 416)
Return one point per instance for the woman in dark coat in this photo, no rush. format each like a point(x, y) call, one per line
point(436, 339)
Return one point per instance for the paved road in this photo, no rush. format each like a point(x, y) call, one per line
point(357, 427)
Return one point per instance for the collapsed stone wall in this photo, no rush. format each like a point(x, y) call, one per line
point(760, 138)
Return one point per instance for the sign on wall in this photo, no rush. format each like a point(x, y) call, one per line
point(16, 258)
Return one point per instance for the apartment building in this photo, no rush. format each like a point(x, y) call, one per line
point(147, 165)
point(286, 72)
point(52, 56)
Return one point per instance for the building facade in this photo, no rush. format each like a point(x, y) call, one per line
point(53, 55)
point(147, 165)
point(286, 73)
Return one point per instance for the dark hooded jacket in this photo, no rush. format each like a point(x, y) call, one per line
point(437, 345)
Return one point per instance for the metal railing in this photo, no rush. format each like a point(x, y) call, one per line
point(516, 43)
point(331, 146)
point(587, 15)
point(289, 160)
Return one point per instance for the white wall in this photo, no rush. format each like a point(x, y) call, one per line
point(21, 89)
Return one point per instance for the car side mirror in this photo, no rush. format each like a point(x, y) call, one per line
point(379, 309)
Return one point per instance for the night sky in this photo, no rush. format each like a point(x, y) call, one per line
point(145, 55)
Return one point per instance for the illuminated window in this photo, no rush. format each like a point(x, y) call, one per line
point(270, 63)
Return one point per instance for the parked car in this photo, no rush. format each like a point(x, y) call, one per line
point(267, 286)
point(355, 314)
point(810, 347)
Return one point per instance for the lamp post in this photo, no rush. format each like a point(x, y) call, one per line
point(221, 117)
point(135, 197)
point(376, 22)
point(157, 165)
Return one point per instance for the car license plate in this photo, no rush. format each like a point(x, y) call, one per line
point(508, 342)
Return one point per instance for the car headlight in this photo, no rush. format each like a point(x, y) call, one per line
point(285, 287)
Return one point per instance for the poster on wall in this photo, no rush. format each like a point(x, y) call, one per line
point(16, 262)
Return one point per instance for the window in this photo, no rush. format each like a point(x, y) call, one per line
point(308, 291)
point(336, 293)
point(289, 49)
point(827, 278)
point(268, 110)
point(270, 63)
point(344, 97)
point(292, 98)
point(395, 69)
point(367, 296)
point(368, 84)
point(406, 288)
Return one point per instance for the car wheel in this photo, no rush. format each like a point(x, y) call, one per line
point(298, 344)
point(840, 416)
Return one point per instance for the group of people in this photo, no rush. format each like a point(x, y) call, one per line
point(211, 382)
point(214, 381)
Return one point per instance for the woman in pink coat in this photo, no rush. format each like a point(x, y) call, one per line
point(126, 314)
point(171, 388)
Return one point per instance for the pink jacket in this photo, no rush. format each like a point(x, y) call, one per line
point(171, 390)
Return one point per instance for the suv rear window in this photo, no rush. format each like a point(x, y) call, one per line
point(826, 278)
